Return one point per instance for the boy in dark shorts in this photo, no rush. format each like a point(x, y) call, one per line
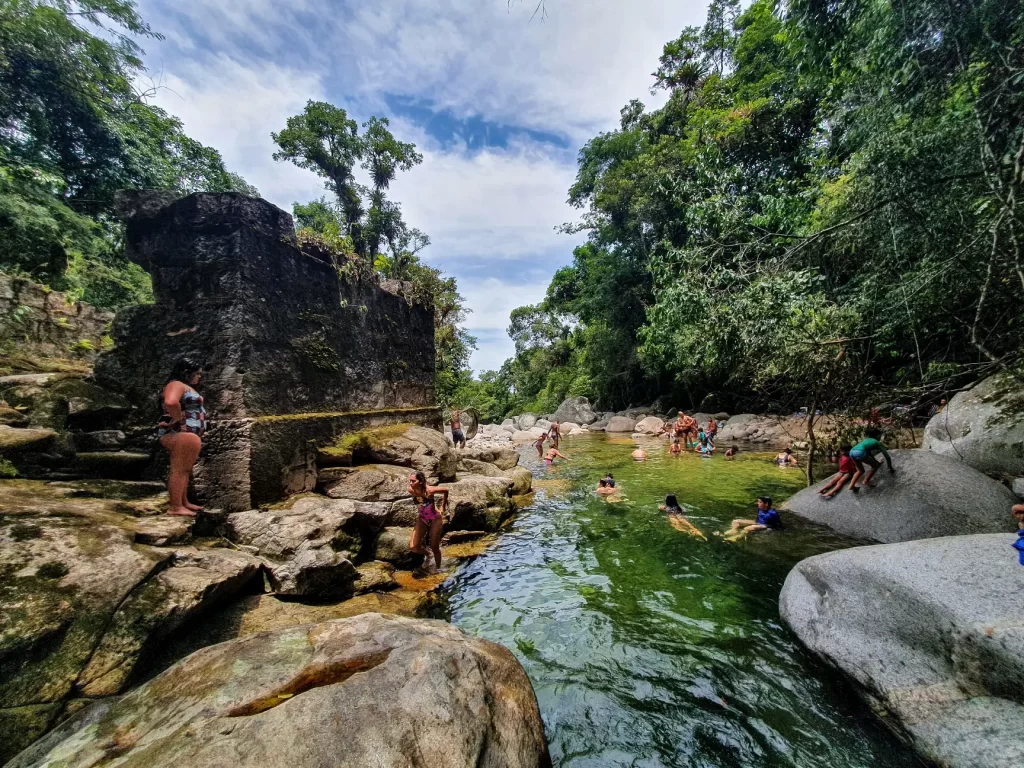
point(847, 469)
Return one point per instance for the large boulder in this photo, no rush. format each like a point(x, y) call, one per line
point(393, 547)
point(928, 496)
point(474, 467)
point(931, 632)
point(62, 402)
point(522, 436)
point(405, 445)
point(479, 503)
point(526, 421)
point(982, 427)
point(577, 410)
point(371, 482)
point(311, 546)
point(620, 424)
point(15, 443)
point(652, 425)
point(522, 480)
point(367, 691)
point(504, 458)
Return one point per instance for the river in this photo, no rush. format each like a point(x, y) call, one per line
point(649, 647)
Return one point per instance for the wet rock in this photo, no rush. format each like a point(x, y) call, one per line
point(477, 502)
point(102, 440)
point(375, 576)
point(11, 417)
point(405, 445)
point(371, 482)
point(473, 467)
point(982, 427)
point(931, 634)
point(576, 410)
point(310, 546)
point(369, 690)
point(503, 458)
point(620, 424)
point(652, 425)
point(15, 443)
point(928, 496)
point(393, 547)
point(522, 480)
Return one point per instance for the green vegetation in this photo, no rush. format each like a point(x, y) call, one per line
point(73, 130)
point(824, 207)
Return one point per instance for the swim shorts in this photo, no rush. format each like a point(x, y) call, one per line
point(458, 436)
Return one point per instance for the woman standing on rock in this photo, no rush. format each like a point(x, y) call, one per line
point(181, 430)
point(429, 519)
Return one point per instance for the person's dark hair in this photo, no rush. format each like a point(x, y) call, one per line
point(787, 450)
point(671, 502)
point(184, 369)
point(845, 448)
point(602, 483)
point(420, 478)
point(767, 501)
point(873, 432)
point(610, 476)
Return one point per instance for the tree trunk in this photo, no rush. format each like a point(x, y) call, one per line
point(811, 443)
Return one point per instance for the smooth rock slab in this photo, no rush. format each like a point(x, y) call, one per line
point(418, 448)
point(620, 424)
point(503, 458)
point(371, 482)
point(932, 631)
point(930, 495)
point(369, 691)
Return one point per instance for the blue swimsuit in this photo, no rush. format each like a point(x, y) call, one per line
point(1019, 545)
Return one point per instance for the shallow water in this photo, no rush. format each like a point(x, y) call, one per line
point(650, 647)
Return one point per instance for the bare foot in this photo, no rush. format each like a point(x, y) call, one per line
point(194, 507)
point(855, 490)
point(829, 495)
point(181, 512)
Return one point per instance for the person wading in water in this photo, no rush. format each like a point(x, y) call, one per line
point(181, 431)
point(429, 520)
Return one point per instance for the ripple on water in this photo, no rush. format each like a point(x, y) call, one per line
point(650, 647)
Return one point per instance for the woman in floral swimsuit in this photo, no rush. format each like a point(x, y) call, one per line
point(181, 431)
point(428, 518)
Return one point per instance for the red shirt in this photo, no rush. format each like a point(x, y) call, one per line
point(846, 464)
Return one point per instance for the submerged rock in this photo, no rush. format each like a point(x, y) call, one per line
point(372, 690)
point(931, 632)
point(928, 496)
point(982, 427)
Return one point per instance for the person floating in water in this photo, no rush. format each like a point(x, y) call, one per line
point(767, 519)
point(677, 517)
point(639, 454)
point(730, 452)
point(610, 480)
point(552, 454)
point(1018, 515)
point(429, 519)
point(863, 453)
point(847, 469)
point(786, 458)
point(604, 489)
point(458, 436)
point(539, 445)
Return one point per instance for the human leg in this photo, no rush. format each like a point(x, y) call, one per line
point(419, 530)
point(874, 464)
point(183, 448)
point(840, 482)
point(436, 529)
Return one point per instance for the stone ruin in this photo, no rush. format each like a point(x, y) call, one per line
point(295, 352)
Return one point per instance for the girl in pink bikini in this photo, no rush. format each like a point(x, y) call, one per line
point(429, 518)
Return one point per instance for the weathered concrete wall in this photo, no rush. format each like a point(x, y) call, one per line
point(278, 331)
point(38, 322)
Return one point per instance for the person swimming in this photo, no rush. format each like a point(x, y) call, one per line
point(677, 517)
point(610, 479)
point(730, 452)
point(786, 458)
point(767, 520)
point(603, 488)
point(639, 454)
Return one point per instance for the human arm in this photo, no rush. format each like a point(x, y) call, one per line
point(437, 490)
point(173, 393)
point(560, 454)
point(888, 460)
point(792, 460)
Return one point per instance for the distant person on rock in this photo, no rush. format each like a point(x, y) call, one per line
point(429, 519)
point(786, 458)
point(552, 454)
point(458, 436)
point(181, 431)
point(767, 519)
point(1018, 515)
point(847, 469)
point(677, 517)
point(863, 453)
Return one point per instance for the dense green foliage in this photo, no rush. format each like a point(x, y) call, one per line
point(826, 205)
point(73, 130)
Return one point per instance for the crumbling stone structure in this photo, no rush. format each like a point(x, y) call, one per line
point(295, 351)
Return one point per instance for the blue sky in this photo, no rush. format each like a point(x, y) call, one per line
point(499, 104)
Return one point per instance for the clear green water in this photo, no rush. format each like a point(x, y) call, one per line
point(648, 647)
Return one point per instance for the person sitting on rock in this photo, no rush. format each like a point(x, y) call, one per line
point(181, 431)
point(786, 458)
point(847, 469)
point(539, 445)
point(603, 488)
point(767, 520)
point(429, 519)
point(863, 453)
point(552, 454)
point(677, 517)
point(458, 436)
point(1018, 515)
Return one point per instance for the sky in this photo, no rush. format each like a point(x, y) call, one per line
point(498, 100)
